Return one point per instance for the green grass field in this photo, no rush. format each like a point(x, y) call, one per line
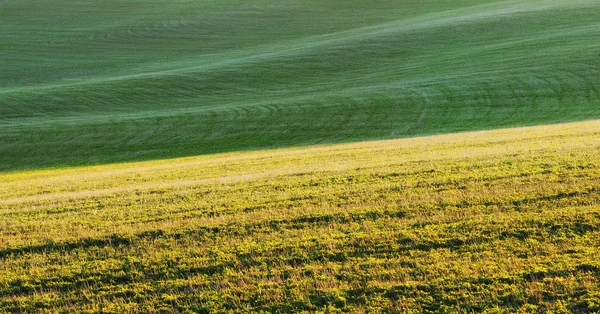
point(93, 82)
point(284, 156)
point(499, 221)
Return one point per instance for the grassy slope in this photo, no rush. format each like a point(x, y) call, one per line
point(93, 81)
point(501, 220)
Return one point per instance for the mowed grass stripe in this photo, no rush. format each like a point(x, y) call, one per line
point(434, 20)
point(499, 221)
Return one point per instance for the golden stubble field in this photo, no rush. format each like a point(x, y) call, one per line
point(498, 221)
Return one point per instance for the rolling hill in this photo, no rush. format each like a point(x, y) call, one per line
point(279, 156)
point(93, 82)
point(497, 221)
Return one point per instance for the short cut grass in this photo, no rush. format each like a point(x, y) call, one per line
point(90, 82)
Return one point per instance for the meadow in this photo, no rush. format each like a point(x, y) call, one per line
point(500, 221)
point(86, 82)
point(287, 156)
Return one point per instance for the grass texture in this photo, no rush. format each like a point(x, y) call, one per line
point(499, 221)
point(92, 82)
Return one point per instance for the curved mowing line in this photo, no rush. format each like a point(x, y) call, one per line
point(409, 85)
point(433, 20)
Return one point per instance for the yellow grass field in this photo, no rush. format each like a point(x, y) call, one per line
point(496, 221)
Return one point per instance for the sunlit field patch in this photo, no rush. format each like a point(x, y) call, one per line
point(499, 221)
